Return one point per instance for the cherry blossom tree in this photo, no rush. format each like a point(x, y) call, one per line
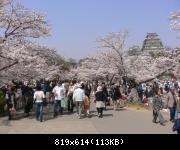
point(175, 20)
point(21, 23)
point(175, 25)
point(3, 3)
point(91, 68)
point(20, 57)
point(19, 26)
point(113, 60)
point(35, 62)
point(142, 67)
point(113, 50)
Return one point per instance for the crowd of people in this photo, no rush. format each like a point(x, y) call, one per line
point(171, 95)
point(78, 96)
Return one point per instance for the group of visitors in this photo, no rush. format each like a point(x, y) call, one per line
point(171, 102)
point(79, 95)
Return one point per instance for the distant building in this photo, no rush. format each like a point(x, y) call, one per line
point(134, 50)
point(152, 43)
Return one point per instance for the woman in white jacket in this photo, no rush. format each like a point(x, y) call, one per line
point(78, 98)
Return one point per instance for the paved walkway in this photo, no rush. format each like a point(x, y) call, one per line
point(123, 121)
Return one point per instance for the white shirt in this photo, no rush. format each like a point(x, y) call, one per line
point(78, 95)
point(38, 96)
point(59, 92)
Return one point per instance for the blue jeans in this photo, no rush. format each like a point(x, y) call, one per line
point(172, 113)
point(57, 107)
point(39, 111)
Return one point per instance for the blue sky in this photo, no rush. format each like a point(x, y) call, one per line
point(76, 24)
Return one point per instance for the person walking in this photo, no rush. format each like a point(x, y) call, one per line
point(116, 96)
point(70, 97)
point(59, 93)
point(48, 91)
point(29, 101)
point(78, 98)
point(176, 126)
point(140, 92)
point(86, 105)
point(157, 107)
point(39, 96)
point(171, 103)
point(155, 88)
point(10, 101)
point(100, 100)
point(18, 94)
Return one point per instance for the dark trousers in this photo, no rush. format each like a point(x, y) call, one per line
point(172, 113)
point(70, 104)
point(100, 111)
point(57, 107)
point(141, 97)
point(157, 114)
point(28, 107)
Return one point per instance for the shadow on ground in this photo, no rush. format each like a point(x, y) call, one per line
point(5, 122)
point(104, 115)
point(120, 109)
point(107, 115)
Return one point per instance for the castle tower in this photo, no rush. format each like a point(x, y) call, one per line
point(152, 43)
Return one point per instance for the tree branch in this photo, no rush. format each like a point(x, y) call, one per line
point(6, 67)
